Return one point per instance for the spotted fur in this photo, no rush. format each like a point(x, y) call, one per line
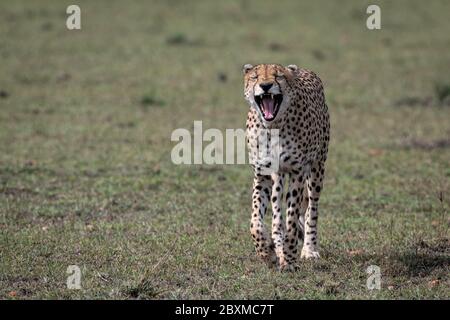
point(304, 132)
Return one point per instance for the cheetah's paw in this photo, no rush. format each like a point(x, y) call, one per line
point(309, 254)
point(288, 267)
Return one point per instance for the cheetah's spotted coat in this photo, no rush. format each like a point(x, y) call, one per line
point(291, 100)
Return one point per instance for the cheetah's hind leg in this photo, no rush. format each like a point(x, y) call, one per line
point(315, 183)
point(301, 219)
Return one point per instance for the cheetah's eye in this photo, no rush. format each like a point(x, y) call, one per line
point(279, 76)
point(253, 77)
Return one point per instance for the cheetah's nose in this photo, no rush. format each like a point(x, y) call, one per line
point(266, 86)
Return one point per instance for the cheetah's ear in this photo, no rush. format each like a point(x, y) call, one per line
point(246, 68)
point(293, 68)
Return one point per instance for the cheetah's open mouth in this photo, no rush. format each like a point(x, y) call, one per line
point(269, 104)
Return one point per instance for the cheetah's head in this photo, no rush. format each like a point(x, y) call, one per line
point(266, 88)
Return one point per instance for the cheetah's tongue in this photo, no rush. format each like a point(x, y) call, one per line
point(268, 104)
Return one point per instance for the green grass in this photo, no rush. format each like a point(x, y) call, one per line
point(85, 171)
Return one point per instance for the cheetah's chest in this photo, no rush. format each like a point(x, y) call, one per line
point(284, 152)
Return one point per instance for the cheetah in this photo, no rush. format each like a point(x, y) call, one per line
point(291, 100)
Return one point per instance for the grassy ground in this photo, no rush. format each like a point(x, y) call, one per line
point(85, 171)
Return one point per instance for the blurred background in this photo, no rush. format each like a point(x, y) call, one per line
point(85, 171)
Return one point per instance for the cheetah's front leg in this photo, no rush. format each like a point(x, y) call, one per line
point(294, 198)
point(278, 227)
point(315, 183)
point(263, 242)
